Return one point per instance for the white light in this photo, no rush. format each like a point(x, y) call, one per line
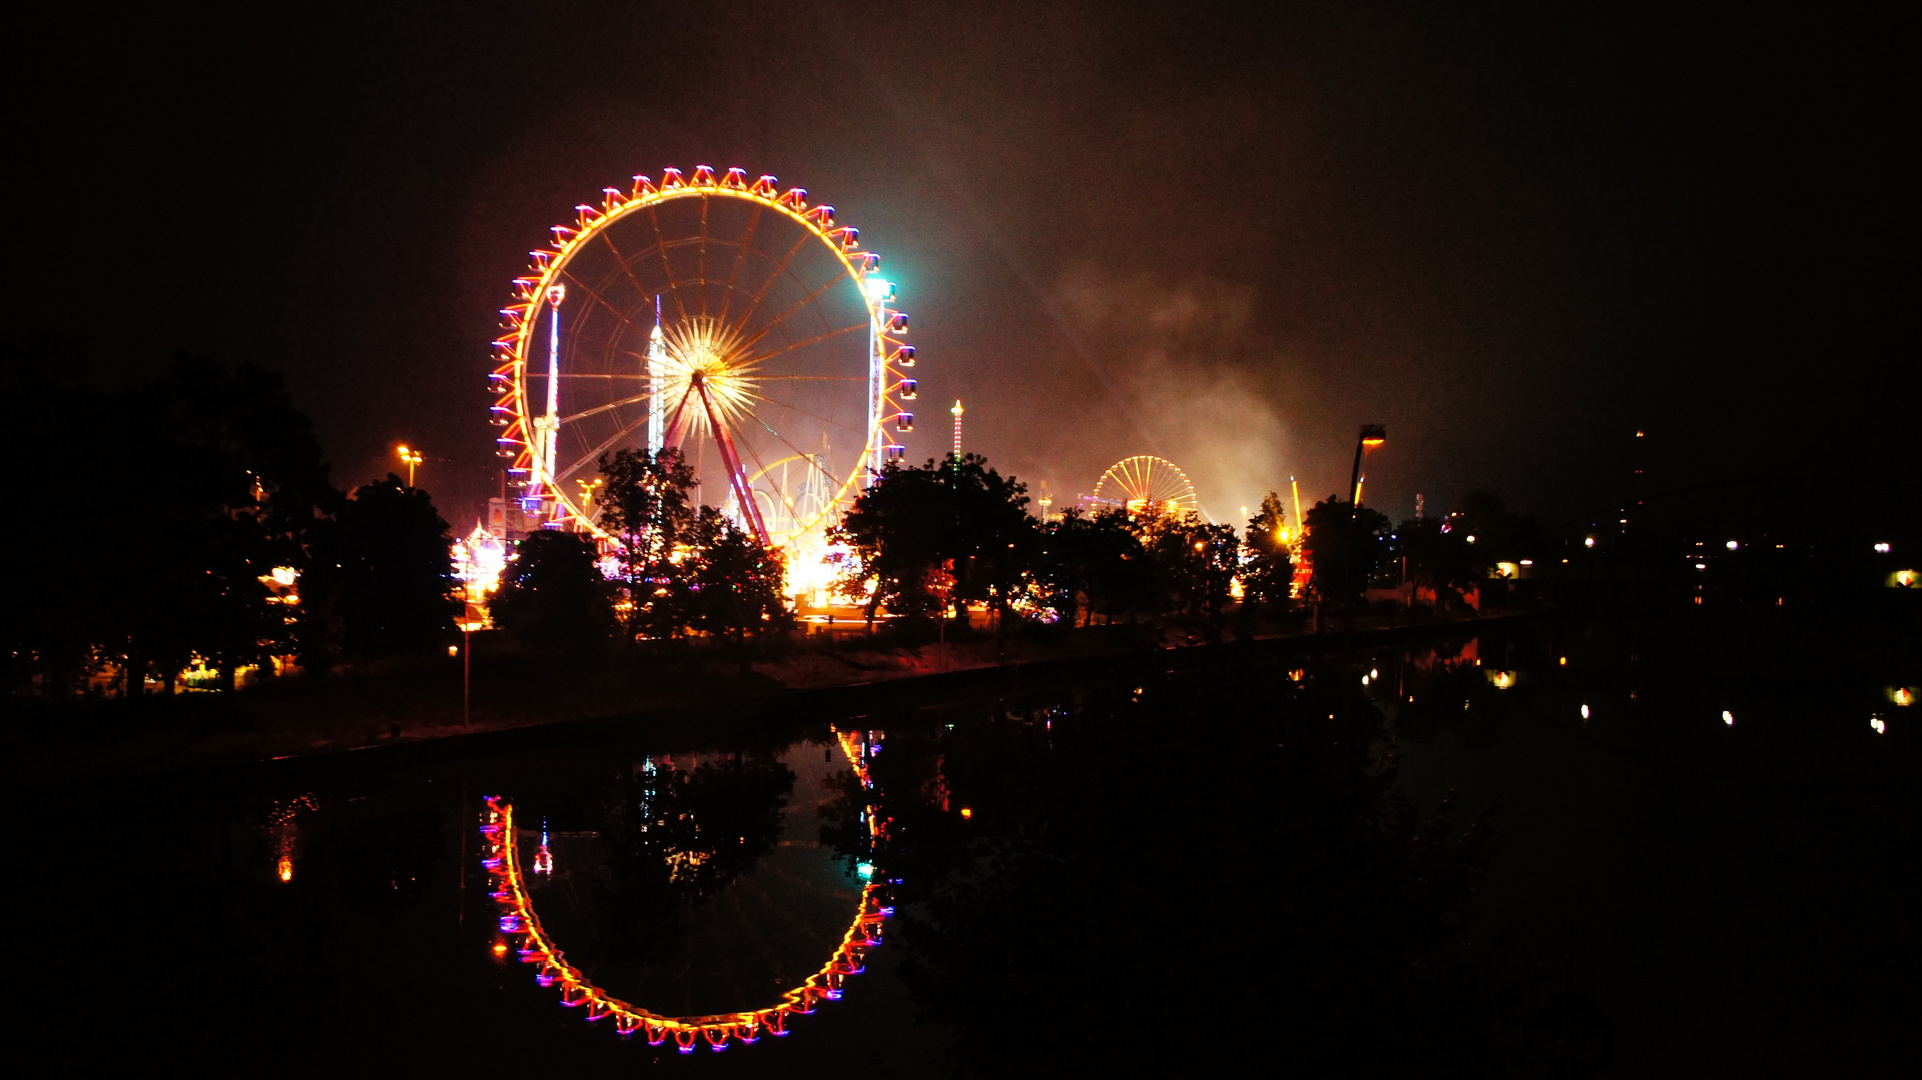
point(1876, 723)
point(1701, 566)
point(1471, 539)
point(1528, 562)
point(1373, 674)
point(1364, 680)
point(879, 289)
point(1584, 712)
point(1588, 542)
point(1883, 548)
point(1732, 545)
point(1728, 718)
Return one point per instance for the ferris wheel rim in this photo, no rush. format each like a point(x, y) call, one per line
point(548, 270)
point(1121, 473)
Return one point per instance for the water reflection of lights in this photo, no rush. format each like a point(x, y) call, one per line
point(718, 1030)
point(286, 834)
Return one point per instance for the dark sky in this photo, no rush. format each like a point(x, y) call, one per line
point(1226, 235)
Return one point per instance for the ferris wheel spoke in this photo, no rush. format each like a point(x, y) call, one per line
point(792, 410)
point(782, 439)
point(625, 268)
point(800, 305)
point(780, 268)
point(700, 266)
point(809, 378)
point(596, 410)
point(597, 298)
point(815, 340)
point(595, 453)
point(740, 255)
point(667, 271)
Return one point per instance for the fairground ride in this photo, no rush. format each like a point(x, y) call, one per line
point(709, 313)
point(523, 933)
point(1145, 484)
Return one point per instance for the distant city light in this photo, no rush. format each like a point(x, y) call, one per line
point(1584, 712)
point(966, 812)
point(1732, 545)
point(1701, 566)
point(1586, 542)
point(1471, 539)
point(1564, 661)
point(1883, 548)
point(1728, 718)
point(1528, 562)
point(1876, 723)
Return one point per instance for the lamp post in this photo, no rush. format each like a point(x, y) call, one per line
point(411, 458)
point(1372, 435)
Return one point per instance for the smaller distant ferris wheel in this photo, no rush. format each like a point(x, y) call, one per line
point(1145, 484)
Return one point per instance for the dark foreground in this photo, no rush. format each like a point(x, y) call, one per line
point(1249, 857)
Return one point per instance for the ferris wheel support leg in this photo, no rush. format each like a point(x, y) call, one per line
point(750, 511)
point(673, 437)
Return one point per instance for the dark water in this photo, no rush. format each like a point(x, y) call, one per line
point(1421, 860)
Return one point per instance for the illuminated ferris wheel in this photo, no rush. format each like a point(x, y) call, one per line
point(718, 315)
point(1145, 484)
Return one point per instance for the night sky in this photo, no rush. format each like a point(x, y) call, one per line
point(1225, 235)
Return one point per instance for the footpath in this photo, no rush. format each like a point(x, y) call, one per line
point(528, 701)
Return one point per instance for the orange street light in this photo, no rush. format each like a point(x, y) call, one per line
point(411, 458)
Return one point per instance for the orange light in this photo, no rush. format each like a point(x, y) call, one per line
point(1372, 443)
point(965, 812)
point(500, 948)
point(286, 868)
point(1564, 661)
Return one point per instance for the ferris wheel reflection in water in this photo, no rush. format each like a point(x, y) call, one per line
point(523, 935)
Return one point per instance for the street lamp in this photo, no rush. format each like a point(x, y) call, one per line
point(411, 458)
point(1372, 435)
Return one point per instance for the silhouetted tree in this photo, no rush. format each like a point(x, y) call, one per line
point(1093, 564)
point(1194, 563)
point(646, 506)
point(553, 593)
point(948, 531)
point(1344, 544)
point(1269, 573)
point(386, 575)
point(209, 478)
point(738, 585)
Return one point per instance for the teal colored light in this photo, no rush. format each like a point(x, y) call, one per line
point(866, 870)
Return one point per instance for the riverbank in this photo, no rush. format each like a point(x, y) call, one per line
point(519, 699)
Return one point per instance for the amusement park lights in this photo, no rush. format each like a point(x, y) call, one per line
point(518, 919)
point(725, 358)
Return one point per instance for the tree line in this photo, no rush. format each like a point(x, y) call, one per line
point(199, 528)
point(204, 531)
point(954, 532)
